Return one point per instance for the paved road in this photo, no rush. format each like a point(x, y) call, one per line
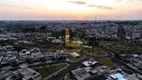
point(73, 66)
point(62, 73)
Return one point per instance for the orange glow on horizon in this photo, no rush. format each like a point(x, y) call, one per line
point(64, 9)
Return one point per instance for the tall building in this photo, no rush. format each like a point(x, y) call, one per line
point(121, 34)
point(67, 40)
point(66, 37)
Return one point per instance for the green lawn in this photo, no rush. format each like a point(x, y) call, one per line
point(105, 61)
point(46, 71)
point(72, 50)
point(108, 62)
point(120, 46)
point(116, 45)
point(95, 52)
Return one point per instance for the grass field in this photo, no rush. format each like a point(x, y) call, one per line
point(108, 62)
point(95, 52)
point(72, 50)
point(46, 71)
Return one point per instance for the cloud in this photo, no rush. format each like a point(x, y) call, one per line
point(116, 1)
point(136, 11)
point(131, 0)
point(77, 2)
point(15, 6)
point(89, 5)
point(101, 7)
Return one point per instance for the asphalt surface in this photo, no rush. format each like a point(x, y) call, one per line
point(71, 67)
point(75, 65)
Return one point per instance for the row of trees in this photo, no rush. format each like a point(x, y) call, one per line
point(34, 29)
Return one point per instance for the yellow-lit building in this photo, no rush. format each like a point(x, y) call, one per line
point(67, 40)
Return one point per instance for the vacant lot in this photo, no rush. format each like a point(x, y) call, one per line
point(46, 71)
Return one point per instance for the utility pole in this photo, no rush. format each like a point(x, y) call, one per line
point(95, 19)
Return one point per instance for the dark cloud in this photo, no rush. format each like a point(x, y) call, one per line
point(77, 2)
point(101, 7)
point(15, 6)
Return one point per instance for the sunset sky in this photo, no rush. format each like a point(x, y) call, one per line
point(70, 9)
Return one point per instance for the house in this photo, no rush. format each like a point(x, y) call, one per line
point(102, 69)
point(117, 76)
point(60, 56)
point(9, 48)
point(4, 75)
point(89, 63)
point(27, 74)
point(78, 42)
point(80, 74)
point(1, 48)
point(21, 74)
point(36, 54)
point(134, 77)
point(56, 41)
point(33, 54)
point(1, 58)
point(10, 57)
point(22, 55)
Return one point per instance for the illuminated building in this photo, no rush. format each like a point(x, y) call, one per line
point(67, 40)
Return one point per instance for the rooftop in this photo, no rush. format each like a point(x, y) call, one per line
point(80, 74)
point(117, 76)
point(28, 73)
point(89, 63)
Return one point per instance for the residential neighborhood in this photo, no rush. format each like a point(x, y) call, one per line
point(71, 50)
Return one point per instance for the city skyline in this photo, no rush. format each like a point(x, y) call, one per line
point(70, 9)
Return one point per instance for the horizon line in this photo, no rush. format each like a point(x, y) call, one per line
point(72, 20)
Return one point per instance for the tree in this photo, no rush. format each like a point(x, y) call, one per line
point(43, 28)
point(31, 29)
point(19, 48)
point(92, 42)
